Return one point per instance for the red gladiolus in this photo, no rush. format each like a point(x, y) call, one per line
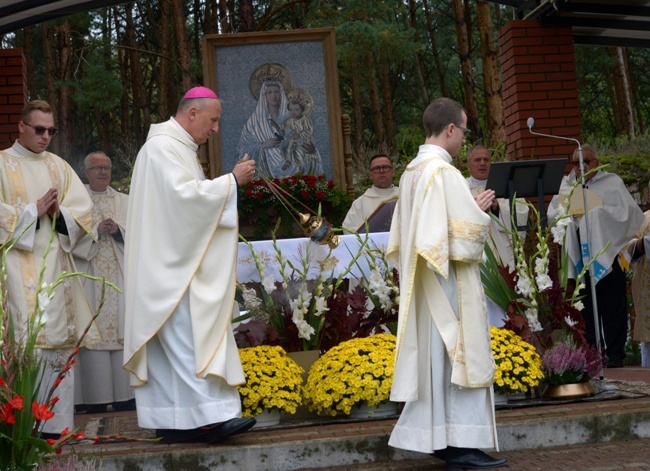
point(58, 381)
point(41, 411)
point(320, 195)
point(54, 400)
point(7, 414)
point(79, 436)
point(16, 403)
point(65, 431)
point(97, 439)
point(50, 441)
point(2, 382)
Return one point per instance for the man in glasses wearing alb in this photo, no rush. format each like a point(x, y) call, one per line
point(40, 192)
point(377, 204)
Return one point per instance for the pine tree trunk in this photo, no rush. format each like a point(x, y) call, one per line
point(50, 77)
point(462, 35)
point(140, 108)
point(245, 15)
point(440, 71)
point(224, 18)
point(357, 112)
point(64, 110)
point(388, 112)
point(28, 50)
point(375, 105)
point(166, 76)
point(491, 80)
point(182, 43)
point(419, 60)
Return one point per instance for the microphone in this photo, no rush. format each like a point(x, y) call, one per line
point(531, 124)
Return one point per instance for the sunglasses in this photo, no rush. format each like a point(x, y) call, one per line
point(40, 130)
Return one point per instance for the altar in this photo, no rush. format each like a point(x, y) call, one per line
point(337, 261)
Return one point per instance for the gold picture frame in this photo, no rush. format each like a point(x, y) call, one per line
point(303, 63)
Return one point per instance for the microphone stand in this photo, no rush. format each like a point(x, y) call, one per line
point(592, 280)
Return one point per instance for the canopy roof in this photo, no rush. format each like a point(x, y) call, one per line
point(16, 14)
point(608, 23)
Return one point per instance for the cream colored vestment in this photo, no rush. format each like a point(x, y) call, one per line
point(366, 204)
point(181, 239)
point(437, 239)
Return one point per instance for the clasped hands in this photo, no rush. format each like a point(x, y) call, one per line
point(108, 226)
point(48, 204)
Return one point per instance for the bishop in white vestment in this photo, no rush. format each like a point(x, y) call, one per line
point(180, 260)
point(444, 367)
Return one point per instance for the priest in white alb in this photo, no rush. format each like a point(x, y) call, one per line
point(444, 367)
point(101, 379)
point(180, 261)
point(37, 187)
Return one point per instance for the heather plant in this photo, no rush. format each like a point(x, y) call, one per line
point(567, 362)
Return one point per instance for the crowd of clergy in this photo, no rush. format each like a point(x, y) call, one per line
point(163, 343)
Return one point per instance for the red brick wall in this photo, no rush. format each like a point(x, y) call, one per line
point(539, 80)
point(13, 94)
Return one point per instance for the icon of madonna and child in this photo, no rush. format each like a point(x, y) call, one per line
point(279, 134)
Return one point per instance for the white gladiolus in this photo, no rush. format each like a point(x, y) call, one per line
point(570, 322)
point(269, 284)
point(321, 306)
point(578, 305)
point(251, 301)
point(533, 321)
point(524, 286)
point(305, 331)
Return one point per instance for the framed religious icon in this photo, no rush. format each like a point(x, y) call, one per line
point(281, 103)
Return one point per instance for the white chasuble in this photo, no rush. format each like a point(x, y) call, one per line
point(104, 258)
point(24, 178)
point(443, 359)
point(182, 238)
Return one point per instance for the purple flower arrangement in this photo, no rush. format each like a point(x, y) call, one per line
point(565, 363)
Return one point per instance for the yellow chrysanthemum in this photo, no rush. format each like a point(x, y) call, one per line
point(518, 365)
point(355, 371)
point(273, 380)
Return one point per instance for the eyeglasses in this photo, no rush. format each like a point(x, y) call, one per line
point(40, 130)
point(466, 131)
point(381, 169)
point(100, 169)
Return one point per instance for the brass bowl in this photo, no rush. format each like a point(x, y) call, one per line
point(569, 391)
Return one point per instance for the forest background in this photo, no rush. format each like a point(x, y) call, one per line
point(112, 72)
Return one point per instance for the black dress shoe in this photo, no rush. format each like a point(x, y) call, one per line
point(193, 435)
point(469, 458)
point(440, 454)
point(124, 405)
point(227, 429)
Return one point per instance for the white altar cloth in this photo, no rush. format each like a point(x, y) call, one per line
point(293, 250)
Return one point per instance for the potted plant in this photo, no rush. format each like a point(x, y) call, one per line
point(568, 367)
point(354, 373)
point(273, 383)
point(518, 365)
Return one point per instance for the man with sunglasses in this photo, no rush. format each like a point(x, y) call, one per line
point(41, 192)
point(380, 193)
point(444, 368)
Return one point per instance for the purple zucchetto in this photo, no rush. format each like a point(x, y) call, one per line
point(200, 92)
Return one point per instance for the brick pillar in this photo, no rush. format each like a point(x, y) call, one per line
point(539, 80)
point(13, 94)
